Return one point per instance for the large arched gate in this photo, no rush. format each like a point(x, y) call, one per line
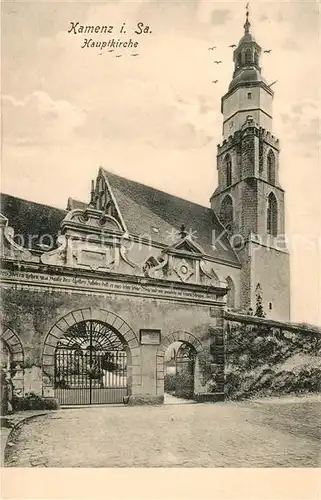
point(91, 365)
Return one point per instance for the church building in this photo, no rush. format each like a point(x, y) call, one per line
point(95, 295)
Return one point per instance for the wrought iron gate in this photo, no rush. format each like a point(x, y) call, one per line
point(90, 365)
point(185, 365)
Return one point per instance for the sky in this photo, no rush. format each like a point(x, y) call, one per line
point(155, 118)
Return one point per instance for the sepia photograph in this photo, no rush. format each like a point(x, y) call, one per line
point(160, 235)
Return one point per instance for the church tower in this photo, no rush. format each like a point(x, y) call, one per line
point(249, 199)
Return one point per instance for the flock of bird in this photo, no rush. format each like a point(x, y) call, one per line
point(232, 46)
point(119, 55)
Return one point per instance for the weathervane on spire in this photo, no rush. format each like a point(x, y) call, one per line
point(247, 22)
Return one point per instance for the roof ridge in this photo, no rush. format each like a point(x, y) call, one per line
point(31, 201)
point(156, 189)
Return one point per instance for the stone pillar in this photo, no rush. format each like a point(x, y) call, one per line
point(144, 378)
point(217, 332)
point(33, 380)
point(199, 385)
point(218, 356)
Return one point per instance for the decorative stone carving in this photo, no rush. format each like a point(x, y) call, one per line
point(91, 221)
point(96, 258)
point(9, 249)
point(156, 268)
point(183, 270)
point(184, 261)
point(56, 257)
point(90, 239)
point(124, 255)
point(209, 276)
point(185, 246)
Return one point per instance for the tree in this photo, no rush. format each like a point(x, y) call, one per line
point(259, 311)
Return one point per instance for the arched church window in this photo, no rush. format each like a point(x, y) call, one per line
point(248, 56)
point(230, 299)
point(271, 167)
point(239, 59)
point(256, 58)
point(228, 169)
point(226, 213)
point(272, 215)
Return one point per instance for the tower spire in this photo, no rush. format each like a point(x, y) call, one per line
point(247, 22)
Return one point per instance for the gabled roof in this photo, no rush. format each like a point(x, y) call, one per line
point(146, 211)
point(149, 211)
point(31, 221)
point(186, 244)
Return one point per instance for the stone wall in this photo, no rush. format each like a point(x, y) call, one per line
point(263, 360)
point(271, 268)
point(36, 314)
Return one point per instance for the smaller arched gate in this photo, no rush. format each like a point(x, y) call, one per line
point(185, 367)
point(91, 365)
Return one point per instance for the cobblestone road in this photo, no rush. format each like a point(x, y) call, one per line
point(247, 434)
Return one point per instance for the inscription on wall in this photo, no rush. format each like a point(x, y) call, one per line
point(149, 337)
point(95, 259)
point(25, 280)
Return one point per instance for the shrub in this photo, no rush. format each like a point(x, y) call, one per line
point(232, 384)
point(265, 379)
point(266, 353)
point(169, 382)
point(283, 382)
point(184, 385)
point(32, 401)
point(205, 360)
point(308, 380)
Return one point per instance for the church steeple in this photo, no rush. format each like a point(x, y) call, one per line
point(248, 92)
point(246, 58)
point(247, 24)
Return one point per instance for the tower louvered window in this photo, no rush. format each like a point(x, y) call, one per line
point(228, 168)
point(271, 168)
point(248, 57)
point(272, 215)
